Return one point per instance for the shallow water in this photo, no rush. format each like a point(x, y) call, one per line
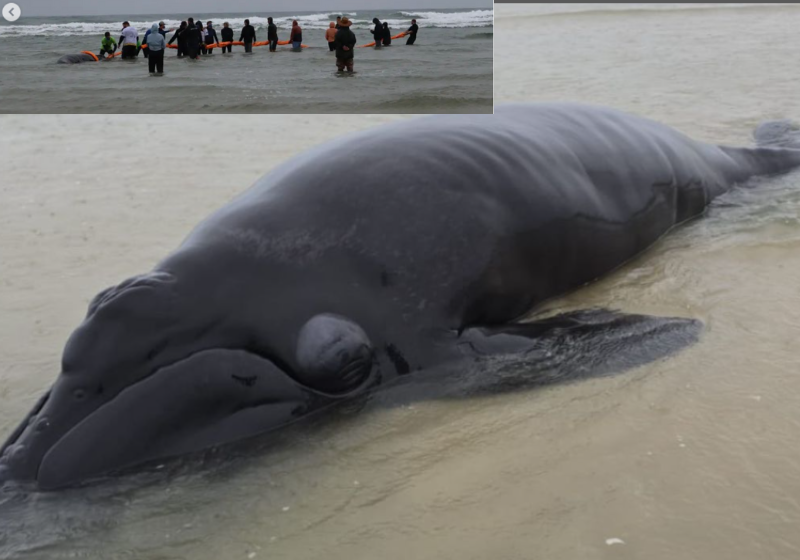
point(447, 70)
point(688, 457)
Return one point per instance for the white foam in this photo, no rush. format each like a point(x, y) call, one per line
point(475, 18)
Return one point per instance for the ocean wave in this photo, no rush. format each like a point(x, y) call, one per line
point(488, 35)
point(475, 18)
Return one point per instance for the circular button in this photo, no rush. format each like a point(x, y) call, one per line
point(11, 12)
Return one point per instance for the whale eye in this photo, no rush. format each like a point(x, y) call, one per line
point(333, 353)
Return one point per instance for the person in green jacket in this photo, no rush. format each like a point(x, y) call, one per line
point(107, 46)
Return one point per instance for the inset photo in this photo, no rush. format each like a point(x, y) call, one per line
point(244, 56)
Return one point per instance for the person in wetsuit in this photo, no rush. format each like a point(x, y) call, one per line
point(248, 36)
point(330, 36)
point(387, 35)
point(129, 41)
point(296, 37)
point(227, 36)
point(211, 36)
point(377, 33)
point(191, 37)
point(272, 35)
point(181, 40)
point(107, 46)
point(412, 32)
point(338, 22)
point(345, 44)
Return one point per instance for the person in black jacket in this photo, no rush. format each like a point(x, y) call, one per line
point(248, 36)
point(345, 44)
point(412, 32)
point(191, 37)
point(387, 35)
point(227, 36)
point(272, 35)
point(377, 33)
point(181, 40)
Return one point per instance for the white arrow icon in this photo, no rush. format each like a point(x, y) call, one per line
point(11, 12)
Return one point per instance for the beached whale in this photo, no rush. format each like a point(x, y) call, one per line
point(78, 58)
point(375, 257)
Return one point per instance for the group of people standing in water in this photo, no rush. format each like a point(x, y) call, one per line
point(195, 39)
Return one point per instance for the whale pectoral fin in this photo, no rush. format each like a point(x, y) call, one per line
point(579, 344)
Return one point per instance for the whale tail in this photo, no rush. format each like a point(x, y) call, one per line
point(778, 134)
point(777, 151)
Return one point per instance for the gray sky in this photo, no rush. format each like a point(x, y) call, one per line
point(131, 7)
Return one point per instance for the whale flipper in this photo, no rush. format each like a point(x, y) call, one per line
point(580, 344)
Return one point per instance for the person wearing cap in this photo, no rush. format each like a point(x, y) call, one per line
point(377, 33)
point(345, 43)
point(330, 36)
point(412, 32)
point(272, 35)
point(157, 44)
point(248, 36)
point(227, 36)
point(129, 41)
point(107, 45)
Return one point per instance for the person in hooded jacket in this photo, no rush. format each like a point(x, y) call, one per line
point(156, 45)
point(191, 37)
point(180, 39)
point(272, 35)
point(296, 36)
point(377, 32)
point(227, 36)
point(387, 35)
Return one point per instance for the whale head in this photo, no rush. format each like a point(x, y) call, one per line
point(152, 374)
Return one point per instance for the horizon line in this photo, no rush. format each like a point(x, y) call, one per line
point(345, 10)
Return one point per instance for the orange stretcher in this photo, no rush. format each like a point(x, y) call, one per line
point(372, 44)
point(211, 46)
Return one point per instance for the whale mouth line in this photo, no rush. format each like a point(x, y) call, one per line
point(10, 466)
point(250, 369)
